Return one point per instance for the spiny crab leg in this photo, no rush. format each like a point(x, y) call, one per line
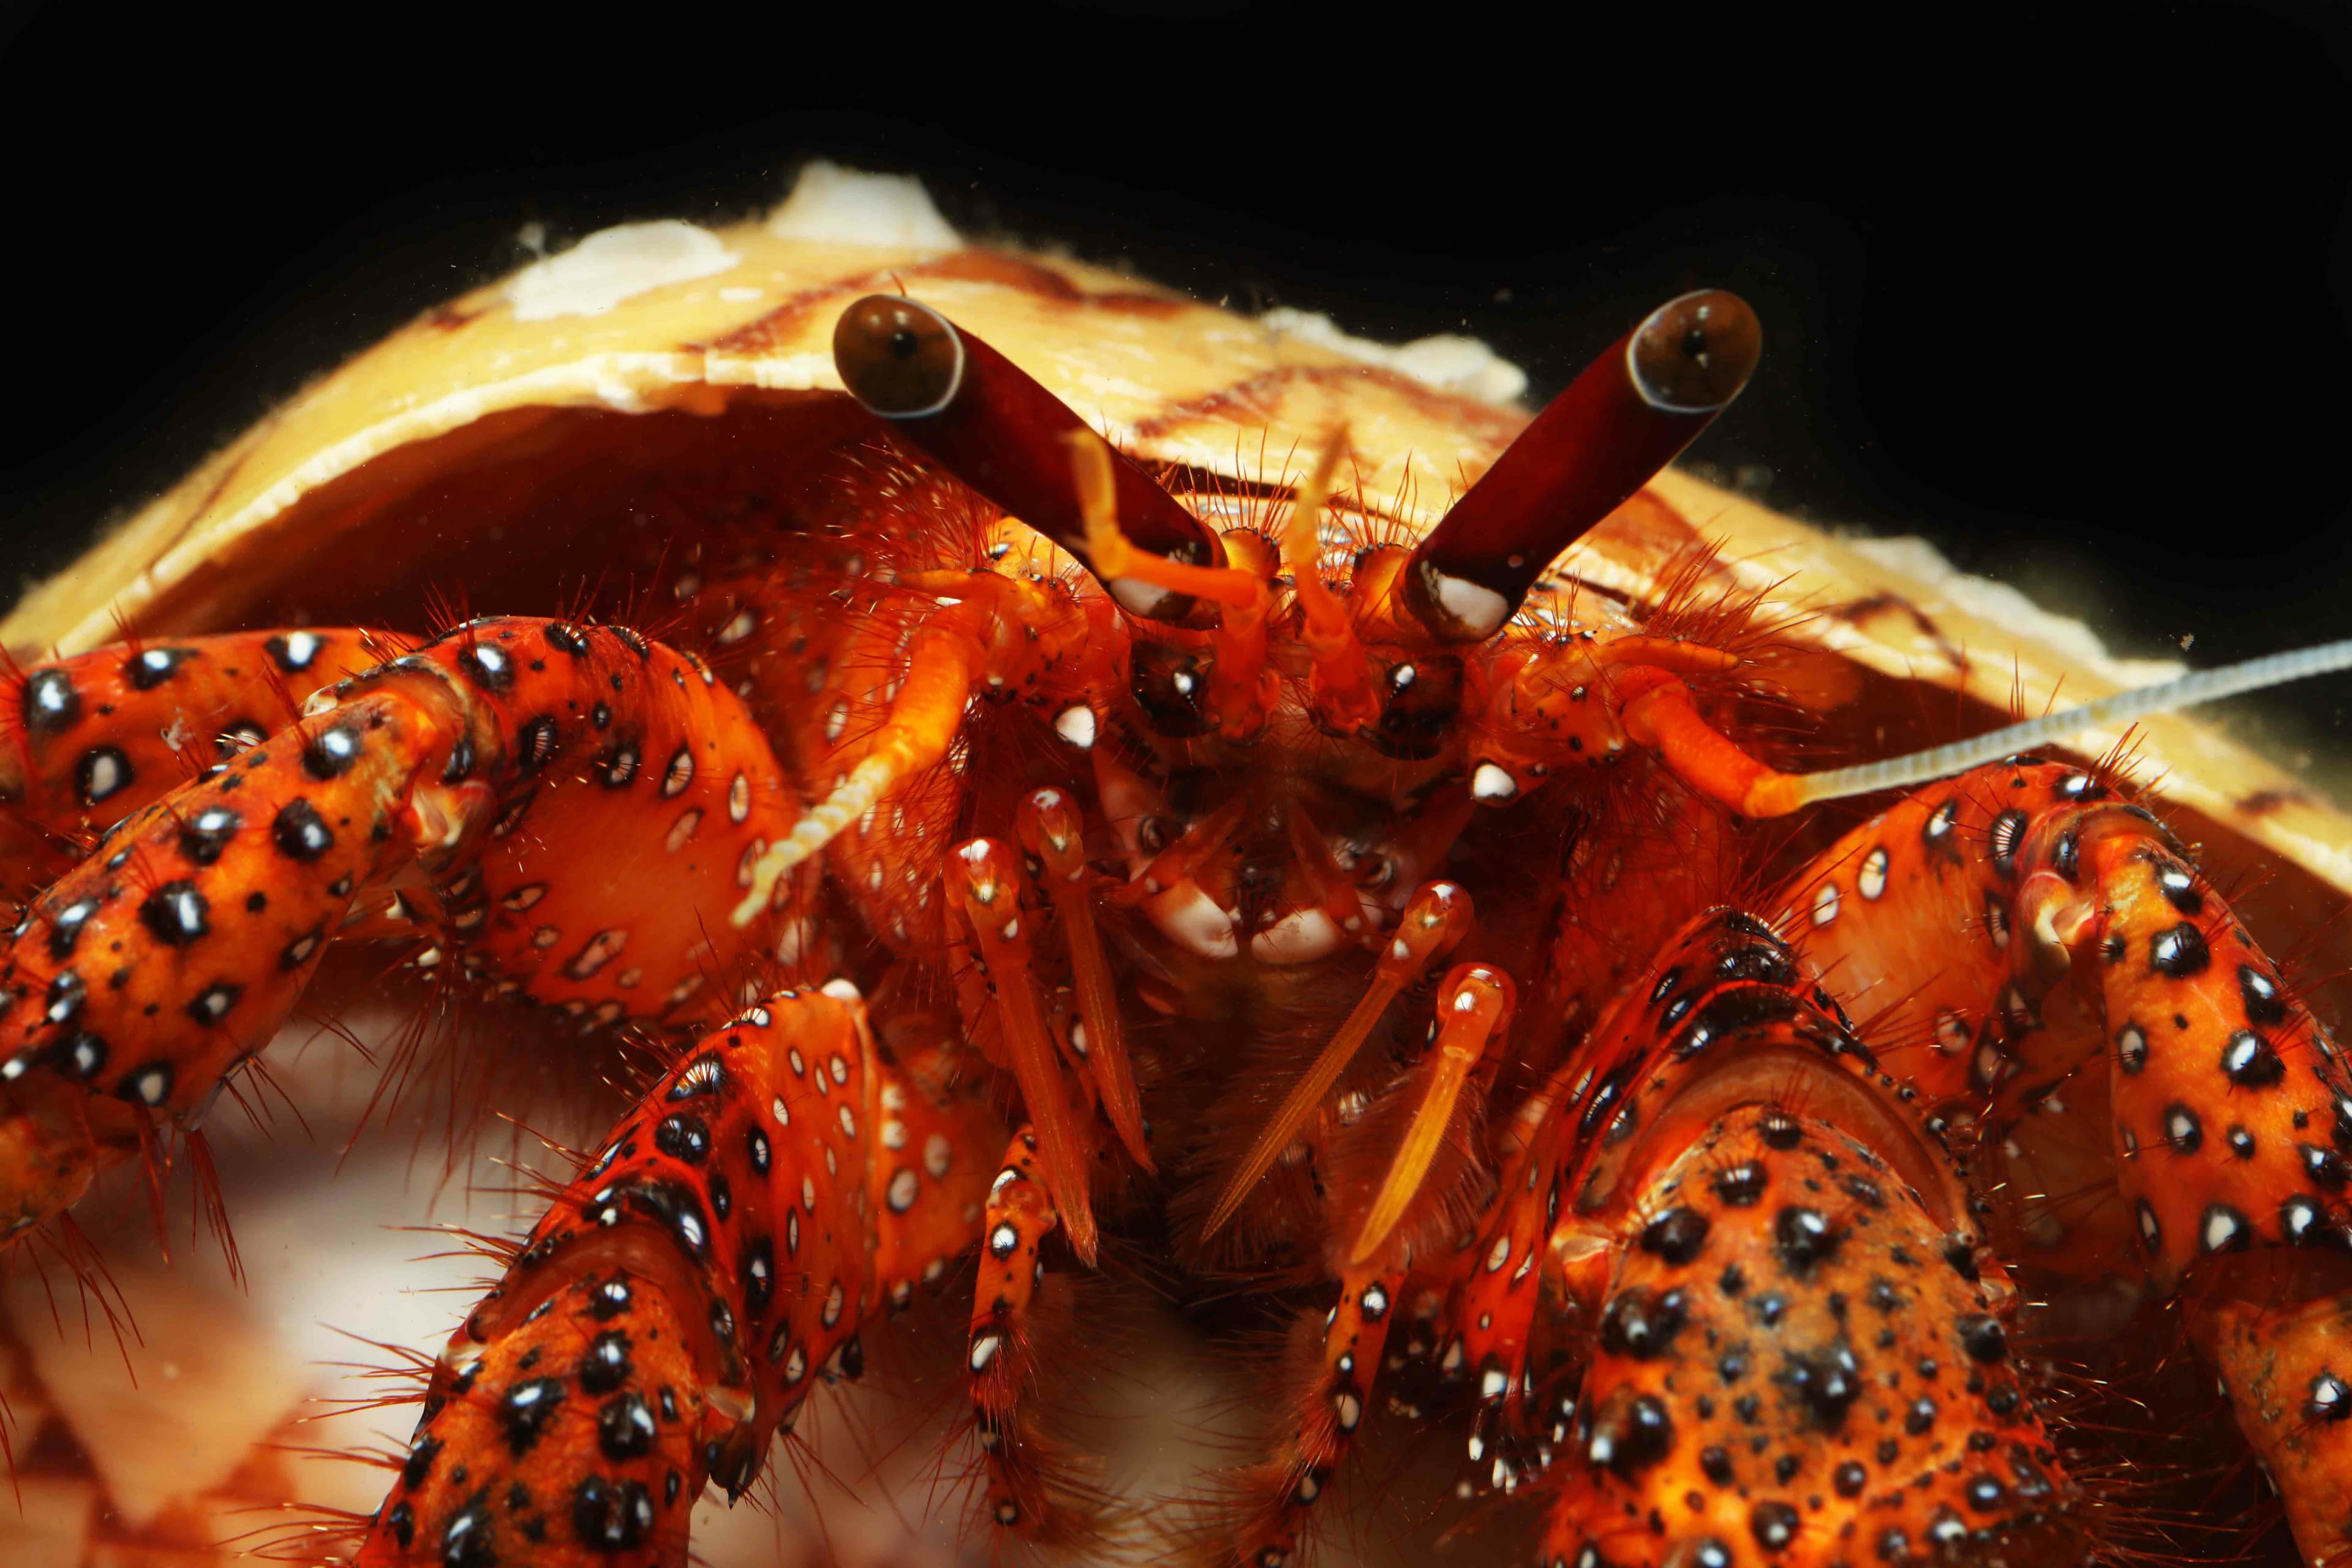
point(985, 884)
point(1434, 922)
point(1051, 829)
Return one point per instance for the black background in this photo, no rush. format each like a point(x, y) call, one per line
point(2068, 290)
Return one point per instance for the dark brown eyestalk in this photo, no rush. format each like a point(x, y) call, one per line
point(1594, 445)
point(990, 425)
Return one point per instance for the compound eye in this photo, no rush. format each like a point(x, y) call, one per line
point(1418, 709)
point(900, 359)
point(1171, 685)
point(1692, 355)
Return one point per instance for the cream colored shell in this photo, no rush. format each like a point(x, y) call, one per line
point(671, 315)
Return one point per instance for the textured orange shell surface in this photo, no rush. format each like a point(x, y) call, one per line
point(388, 476)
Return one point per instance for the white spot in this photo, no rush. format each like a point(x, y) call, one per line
point(1448, 361)
point(1499, 1254)
point(832, 206)
point(832, 1311)
point(893, 1133)
point(1871, 883)
point(613, 265)
point(105, 774)
point(900, 1193)
point(738, 799)
point(1825, 903)
point(983, 1350)
point(808, 1194)
point(683, 829)
point(1493, 785)
point(848, 1122)
point(1077, 725)
point(1348, 1409)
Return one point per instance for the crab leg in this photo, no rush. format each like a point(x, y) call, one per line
point(985, 883)
point(1433, 924)
point(1027, 1495)
point(664, 1320)
point(1325, 1412)
point(86, 741)
point(149, 971)
point(1052, 829)
point(1800, 1350)
point(2230, 1113)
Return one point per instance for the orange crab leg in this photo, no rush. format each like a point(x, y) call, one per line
point(1325, 1414)
point(86, 741)
point(1789, 1365)
point(667, 1314)
point(985, 884)
point(1474, 1014)
point(1029, 1492)
point(1434, 922)
point(1800, 1350)
point(1052, 829)
point(175, 950)
point(2091, 944)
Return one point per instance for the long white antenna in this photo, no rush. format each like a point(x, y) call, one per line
point(2199, 686)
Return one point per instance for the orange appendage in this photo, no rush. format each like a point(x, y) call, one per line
point(1036, 1489)
point(570, 1440)
point(2232, 1113)
point(177, 950)
point(86, 741)
point(1273, 1500)
point(1794, 1368)
point(2278, 1332)
point(779, 1189)
point(155, 967)
point(985, 883)
point(627, 767)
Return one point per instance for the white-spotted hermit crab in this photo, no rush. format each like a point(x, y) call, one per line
point(1361, 847)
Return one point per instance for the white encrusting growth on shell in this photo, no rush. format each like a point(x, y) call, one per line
point(832, 206)
point(616, 264)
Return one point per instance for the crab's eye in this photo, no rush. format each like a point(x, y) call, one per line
point(1422, 700)
point(1693, 355)
point(900, 359)
point(1172, 687)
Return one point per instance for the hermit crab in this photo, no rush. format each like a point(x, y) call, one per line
point(1050, 778)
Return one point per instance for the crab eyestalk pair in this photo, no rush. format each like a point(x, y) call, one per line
point(1639, 403)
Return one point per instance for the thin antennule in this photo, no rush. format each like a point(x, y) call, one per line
point(1784, 793)
point(1343, 677)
